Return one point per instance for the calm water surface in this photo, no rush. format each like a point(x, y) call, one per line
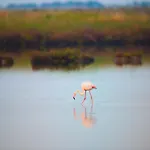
point(37, 111)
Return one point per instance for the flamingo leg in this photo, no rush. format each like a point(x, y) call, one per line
point(91, 97)
point(84, 97)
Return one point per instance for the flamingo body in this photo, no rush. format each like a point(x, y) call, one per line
point(85, 86)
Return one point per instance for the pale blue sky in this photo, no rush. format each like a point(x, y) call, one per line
point(4, 2)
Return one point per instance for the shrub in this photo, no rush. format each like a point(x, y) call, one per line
point(6, 62)
point(61, 58)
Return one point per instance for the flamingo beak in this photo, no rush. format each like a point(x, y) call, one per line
point(74, 98)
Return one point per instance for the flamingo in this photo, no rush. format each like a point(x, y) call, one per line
point(85, 86)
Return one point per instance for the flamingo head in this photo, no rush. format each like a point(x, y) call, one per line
point(94, 87)
point(74, 96)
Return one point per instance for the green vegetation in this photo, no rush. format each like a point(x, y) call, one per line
point(80, 27)
point(68, 58)
point(64, 21)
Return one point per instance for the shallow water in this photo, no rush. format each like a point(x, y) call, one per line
point(37, 111)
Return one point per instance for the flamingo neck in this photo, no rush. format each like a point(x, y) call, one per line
point(80, 92)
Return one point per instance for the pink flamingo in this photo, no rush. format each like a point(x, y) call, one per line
point(85, 86)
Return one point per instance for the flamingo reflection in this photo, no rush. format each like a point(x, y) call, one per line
point(87, 119)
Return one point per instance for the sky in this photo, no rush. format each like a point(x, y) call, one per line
point(107, 2)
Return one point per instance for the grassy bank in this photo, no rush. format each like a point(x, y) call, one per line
point(42, 29)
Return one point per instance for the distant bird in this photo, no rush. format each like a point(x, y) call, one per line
point(85, 86)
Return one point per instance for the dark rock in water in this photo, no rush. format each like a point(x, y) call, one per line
point(136, 60)
point(6, 62)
